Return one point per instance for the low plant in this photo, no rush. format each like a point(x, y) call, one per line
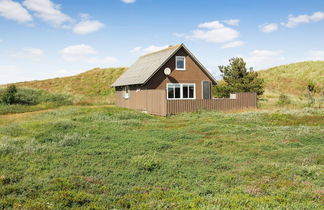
point(283, 100)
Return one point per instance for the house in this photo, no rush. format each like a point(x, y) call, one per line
point(171, 81)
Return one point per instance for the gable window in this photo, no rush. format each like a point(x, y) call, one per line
point(180, 63)
point(181, 91)
point(126, 92)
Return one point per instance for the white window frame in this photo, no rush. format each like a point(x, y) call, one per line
point(126, 94)
point(184, 63)
point(181, 91)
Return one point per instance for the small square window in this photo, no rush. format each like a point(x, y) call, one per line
point(180, 63)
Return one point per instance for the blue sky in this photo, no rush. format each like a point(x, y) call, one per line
point(52, 38)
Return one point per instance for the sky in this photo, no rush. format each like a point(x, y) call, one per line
point(42, 39)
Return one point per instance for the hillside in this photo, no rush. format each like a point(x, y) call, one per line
point(293, 78)
point(89, 87)
point(94, 86)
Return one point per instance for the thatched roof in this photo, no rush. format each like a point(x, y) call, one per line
point(147, 65)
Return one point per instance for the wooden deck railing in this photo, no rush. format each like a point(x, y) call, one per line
point(241, 101)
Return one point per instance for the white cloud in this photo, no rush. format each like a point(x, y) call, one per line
point(149, 49)
point(77, 52)
point(128, 1)
point(86, 26)
point(135, 50)
point(268, 28)
point(214, 32)
point(14, 11)
point(294, 21)
point(154, 48)
point(7, 68)
point(211, 25)
point(85, 53)
point(102, 61)
point(233, 44)
point(33, 53)
point(265, 58)
point(232, 22)
point(315, 55)
point(47, 11)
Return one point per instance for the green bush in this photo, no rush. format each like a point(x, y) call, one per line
point(283, 100)
point(27, 96)
point(9, 95)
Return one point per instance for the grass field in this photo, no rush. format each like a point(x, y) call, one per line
point(108, 157)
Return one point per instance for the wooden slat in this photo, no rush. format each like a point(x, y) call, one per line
point(243, 100)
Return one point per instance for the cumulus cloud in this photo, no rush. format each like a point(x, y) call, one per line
point(315, 55)
point(14, 11)
point(33, 53)
point(85, 53)
point(77, 52)
point(265, 58)
point(47, 11)
point(86, 26)
point(128, 1)
point(214, 32)
point(268, 28)
point(233, 44)
point(232, 22)
point(294, 21)
point(146, 50)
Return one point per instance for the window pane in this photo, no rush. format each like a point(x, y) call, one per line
point(185, 91)
point(180, 62)
point(170, 91)
point(191, 91)
point(177, 91)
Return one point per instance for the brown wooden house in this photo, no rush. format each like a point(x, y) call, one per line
point(171, 81)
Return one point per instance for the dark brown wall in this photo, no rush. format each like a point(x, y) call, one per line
point(192, 74)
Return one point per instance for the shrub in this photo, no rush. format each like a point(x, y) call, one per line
point(283, 100)
point(28, 96)
point(9, 95)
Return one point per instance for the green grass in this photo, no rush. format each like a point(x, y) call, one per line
point(29, 100)
point(90, 87)
point(293, 78)
point(108, 157)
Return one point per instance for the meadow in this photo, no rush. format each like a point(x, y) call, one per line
point(106, 157)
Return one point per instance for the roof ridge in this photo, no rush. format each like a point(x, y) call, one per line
point(168, 48)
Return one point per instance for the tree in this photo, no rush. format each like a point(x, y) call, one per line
point(237, 78)
point(9, 96)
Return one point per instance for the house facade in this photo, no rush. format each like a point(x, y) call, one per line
point(161, 81)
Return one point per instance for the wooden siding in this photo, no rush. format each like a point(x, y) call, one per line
point(151, 101)
point(192, 74)
point(243, 100)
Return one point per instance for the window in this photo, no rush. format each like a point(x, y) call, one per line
point(180, 63)
point(181, 91)
point(126, 92)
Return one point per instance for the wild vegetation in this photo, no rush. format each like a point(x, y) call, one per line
point(108, 157)
point(90, 87)
point(15, 100)
point(292, 81)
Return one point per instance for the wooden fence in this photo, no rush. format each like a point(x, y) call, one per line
point(238, 101)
